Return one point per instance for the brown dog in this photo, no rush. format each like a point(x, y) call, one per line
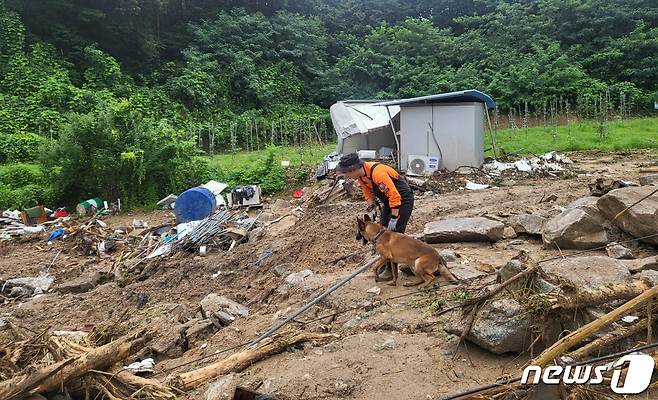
point(399, 248)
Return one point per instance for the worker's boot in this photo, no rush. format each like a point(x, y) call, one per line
point(385, 272)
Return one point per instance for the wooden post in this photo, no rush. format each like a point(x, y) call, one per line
point(493, 137)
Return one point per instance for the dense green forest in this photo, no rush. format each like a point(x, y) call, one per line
point(117, 96)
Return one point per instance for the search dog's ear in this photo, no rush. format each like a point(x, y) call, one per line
point(361, 225)
point(366, 218)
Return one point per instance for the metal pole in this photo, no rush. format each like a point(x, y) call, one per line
point(316, 300)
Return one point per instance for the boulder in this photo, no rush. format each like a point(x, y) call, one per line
point(642, 264)
point(222, 310)
point(639, 221)
point(580, 226)
point(649, 180)
point(449, 255)
point(527, 223)
point(282, 225)
point(618, 251)
point(476, 229)
point(223, 388)
point(650, 276)
point(81, 284)
point(466, 271)
point(298, 277)
point(509, 233)
point(39, 284)
point(589, 272)
point(502, 326)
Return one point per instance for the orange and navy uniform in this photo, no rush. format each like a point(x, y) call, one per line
point(385, 183)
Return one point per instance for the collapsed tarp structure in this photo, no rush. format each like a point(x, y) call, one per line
point(361, 125)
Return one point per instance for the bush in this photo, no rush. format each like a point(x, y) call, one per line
point(97, 155)
point(26, 196)
point(266, 173)
point(18, 175)
point(20, 147)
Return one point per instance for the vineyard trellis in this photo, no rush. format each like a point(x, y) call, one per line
point(251, 134)
point(550, 113)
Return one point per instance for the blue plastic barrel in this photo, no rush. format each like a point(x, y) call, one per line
point(194, 204)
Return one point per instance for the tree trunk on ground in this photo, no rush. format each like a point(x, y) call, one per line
point(606, 294)
point(240, 361)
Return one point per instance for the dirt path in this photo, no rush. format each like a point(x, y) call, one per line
point(381, 349)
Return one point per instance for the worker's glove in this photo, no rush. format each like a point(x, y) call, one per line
point(392, 224)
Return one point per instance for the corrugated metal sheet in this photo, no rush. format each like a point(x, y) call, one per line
point(464, 96)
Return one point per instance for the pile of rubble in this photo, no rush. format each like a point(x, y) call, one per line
point(494, 173)
point(543, 299)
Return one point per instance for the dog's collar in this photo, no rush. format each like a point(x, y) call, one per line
point(374, 240)
point(373, 251)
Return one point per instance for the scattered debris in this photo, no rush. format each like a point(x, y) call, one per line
point(146, 366)
point(168, 202)
point(298, 277)
point(550, 164)
point(30, 285)
point(475, 186)
point(266, 254)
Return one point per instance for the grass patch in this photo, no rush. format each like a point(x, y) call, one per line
point(309, 154)
point(637, 133)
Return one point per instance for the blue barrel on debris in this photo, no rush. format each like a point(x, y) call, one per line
point(194, 204)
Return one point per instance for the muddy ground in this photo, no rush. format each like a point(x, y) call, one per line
point(416, 364)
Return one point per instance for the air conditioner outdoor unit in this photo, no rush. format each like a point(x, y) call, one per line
point(422, 165)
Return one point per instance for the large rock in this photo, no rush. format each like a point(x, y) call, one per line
point(639, 221)
point(588, 272)
point(580, 226)
point(81, 284)
point(649, 180)
point(502, 326)
point(221, 310)
point(530, 224)
point(223, 388)
point(476, 229)
point(642, 264)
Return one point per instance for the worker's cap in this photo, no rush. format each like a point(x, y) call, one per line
point(349, 162)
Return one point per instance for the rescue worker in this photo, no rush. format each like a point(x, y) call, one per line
point(382, 182)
